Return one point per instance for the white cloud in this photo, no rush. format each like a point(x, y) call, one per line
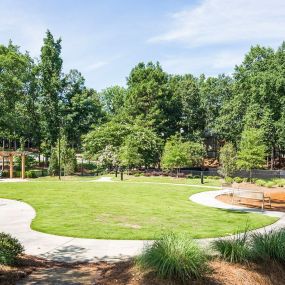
point(227, 22)
point(96, 65)
point(27, 29)
point(210, 64)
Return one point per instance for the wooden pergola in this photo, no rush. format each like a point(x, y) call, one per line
point(11, 155)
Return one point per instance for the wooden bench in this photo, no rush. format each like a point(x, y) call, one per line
point(237, 194)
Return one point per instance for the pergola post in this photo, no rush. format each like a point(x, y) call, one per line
point(23, 166)
point(11, 165)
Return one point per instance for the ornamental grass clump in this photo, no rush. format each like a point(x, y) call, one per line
point(235, 249)
point(10, 249)
point(269, 246)
point(174, 257)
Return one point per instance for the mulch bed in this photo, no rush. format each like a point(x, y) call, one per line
point(277, 196)
point(31, 270)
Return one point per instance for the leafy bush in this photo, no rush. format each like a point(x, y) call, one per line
point(260, 182)
point(215, 177)
point(10, 248)
point(238, 180)
point(174, 257)
point(196, 176)
point(235, 249)
point(269, 246)
point(245, 179)
point(31, 174)
point(270, 184)
point(229, 180)
point(137, 174)
point(279, 182)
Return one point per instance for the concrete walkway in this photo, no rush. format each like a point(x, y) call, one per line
point(209, 199)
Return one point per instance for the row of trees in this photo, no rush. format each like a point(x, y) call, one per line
point(138, 124)
point(38, 101)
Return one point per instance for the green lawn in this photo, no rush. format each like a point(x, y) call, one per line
point(124, 210)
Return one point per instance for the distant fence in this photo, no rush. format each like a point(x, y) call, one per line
point(256, 173)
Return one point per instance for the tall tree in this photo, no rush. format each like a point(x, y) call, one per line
point(252, 150)
point(51, 88)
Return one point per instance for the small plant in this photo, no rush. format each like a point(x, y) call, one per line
point(260, 182)
point(269, 246)
point(229, 180)
point(10, 249)
point(215, 177)
point(245, 179)
point(270, 184)
point(234, 249)
point(238, 180)
point(31, 174)
point(174, 257)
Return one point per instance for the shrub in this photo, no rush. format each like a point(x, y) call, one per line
point(31, 174)
point(10, 248)
point(196, 176)
point(238, 179)
point(229, 180)
point(260, 182)
point(189, 176)
point(245, 179)
point(174, 257)
point(269, 246)
point(280, 184)
point(235, 249)
point(215, 177)
point(270, 184)
point(137, 174)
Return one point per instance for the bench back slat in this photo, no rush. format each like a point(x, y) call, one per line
point(249, 194)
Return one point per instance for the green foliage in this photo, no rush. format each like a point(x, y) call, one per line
point(175, 154)
point(229, 179)
point(228, 160)
point(270, 184)
point(251, 152)
point(235, 249)
point(108, 157)
point(10, 249)
point(31, 174)
point(51, 86)
point(30, 161)
point(175, 257)
point(113, 99)
point(238, 179)
point(269, 246)
point(129, 155)
point(260, 182)
point(67, 159)
point(53, 163)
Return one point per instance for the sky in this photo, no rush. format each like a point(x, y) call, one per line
point(105, 39)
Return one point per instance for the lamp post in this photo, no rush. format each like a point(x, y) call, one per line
point(59, 157)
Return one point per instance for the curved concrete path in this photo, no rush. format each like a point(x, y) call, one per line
point(208, 198)
point(16, 217)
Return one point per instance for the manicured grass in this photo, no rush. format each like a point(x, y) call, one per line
point(124, 210)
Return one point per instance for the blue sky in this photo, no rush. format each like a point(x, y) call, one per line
point(105, 39)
